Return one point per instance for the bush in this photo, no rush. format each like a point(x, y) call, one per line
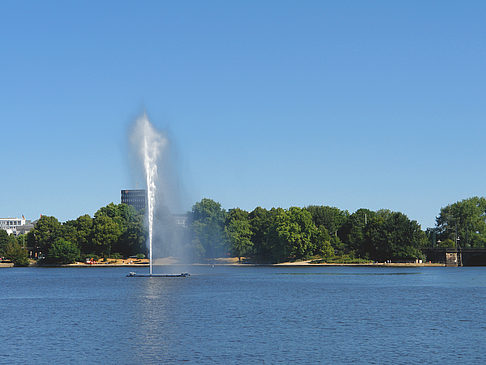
point(140, 256)
point(116, 256)
point(447, 243)
point(63, 252)
point(343, 259)
point(17, 254)
point(92, 256)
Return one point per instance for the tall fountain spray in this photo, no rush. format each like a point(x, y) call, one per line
point(150, 145)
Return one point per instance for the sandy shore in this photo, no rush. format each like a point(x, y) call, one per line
point(379, 264)
point(233, 261)
point(225, 261)
point(113, 263)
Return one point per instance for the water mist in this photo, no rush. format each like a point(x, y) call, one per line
point(157, 169)
point(150, 144)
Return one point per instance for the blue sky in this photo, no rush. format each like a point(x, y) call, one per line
point(353, 104)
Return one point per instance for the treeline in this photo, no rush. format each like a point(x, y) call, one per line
point(265, 236)
point(332, 234)
point(324, 232)
point(461, 224)
point(114, 231)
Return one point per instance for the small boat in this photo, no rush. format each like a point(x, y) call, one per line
point(181, 275)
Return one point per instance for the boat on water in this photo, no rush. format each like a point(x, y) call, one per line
point(181, 275)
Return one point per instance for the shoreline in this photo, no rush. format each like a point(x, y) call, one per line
point(230, 261)
point(284, 264)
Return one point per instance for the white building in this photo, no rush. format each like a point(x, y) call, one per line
point(181, 219)
point(14, 225)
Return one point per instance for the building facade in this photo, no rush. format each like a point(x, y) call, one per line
point(135, 198)
point(15, 226)
point(181, 219)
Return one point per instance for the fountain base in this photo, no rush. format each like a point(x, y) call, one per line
point(181, 275)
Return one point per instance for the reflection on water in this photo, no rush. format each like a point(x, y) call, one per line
point(348, 273)
point(172, 269)
point(243, 315)
point(150, 322)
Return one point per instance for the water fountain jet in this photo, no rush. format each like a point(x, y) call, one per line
point(150, 145)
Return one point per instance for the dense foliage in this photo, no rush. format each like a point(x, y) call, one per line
point(207, 226)
point(464, 223)
point(114, 230)
point(321, 233)
point(12, 249)
point(63, 252)
point(297, 233)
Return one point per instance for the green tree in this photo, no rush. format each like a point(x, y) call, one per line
point(352, 233)
point(275, 235)
point(377, 245)
point(133, 237)
point(105, 234)
point(408, 238)
point(292, 234)
point(238, 231)
point(207, 226)
point(46, 231)
point(260, 220)
point(69, 231)
point(16, 253)
point(130, 222)
point(392, 235)
point(331, 218)
point(464, 221)
point(30, 240)
point(84, 233)
point(111, 210)
point(322, 243)
point(4, 241)
point(63, 252)
point(301, 232)
point(447, 243)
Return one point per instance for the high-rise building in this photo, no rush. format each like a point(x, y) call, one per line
point(135, 198)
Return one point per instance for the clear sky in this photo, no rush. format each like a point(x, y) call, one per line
point(376, 104)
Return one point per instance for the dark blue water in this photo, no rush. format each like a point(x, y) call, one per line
point(244, 315)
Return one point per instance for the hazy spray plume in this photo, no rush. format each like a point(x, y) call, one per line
point(153, 150)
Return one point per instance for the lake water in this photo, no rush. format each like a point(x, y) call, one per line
point(244, 315)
